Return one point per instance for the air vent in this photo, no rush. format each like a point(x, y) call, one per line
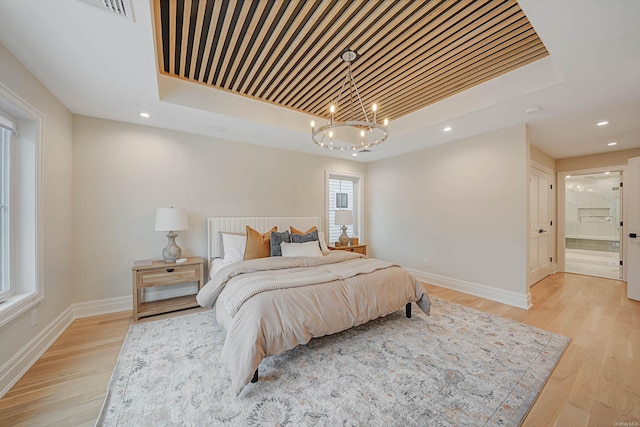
point(117, 7)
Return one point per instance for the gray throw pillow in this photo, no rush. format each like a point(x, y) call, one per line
point(276, 239)
point(302, 238)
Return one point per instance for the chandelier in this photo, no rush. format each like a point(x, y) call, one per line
point(350, 135)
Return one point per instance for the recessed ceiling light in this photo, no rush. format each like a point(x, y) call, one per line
point(612, 144)
point(607, 173)
point(568, 176)
point(447, 129)
point(354, 154)
point(145, 115)
point(603, 123)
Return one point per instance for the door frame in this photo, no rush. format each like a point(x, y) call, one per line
point(561, 247)
point(552, 207)
point(633, 291)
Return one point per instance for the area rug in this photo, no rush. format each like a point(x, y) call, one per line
point(458, 366)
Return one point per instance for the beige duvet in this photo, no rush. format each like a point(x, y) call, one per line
point(271, 305)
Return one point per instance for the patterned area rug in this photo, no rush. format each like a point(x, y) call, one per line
point(458, 366)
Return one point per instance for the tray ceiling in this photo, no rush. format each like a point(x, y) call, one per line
point(412, 53)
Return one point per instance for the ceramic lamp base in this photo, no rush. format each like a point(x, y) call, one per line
point(172, 251)
point(344, 239)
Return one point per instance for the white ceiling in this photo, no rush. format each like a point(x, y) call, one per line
point(102, 65)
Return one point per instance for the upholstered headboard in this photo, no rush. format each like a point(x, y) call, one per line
point(262, 224)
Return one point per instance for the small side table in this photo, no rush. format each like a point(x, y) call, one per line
point(161, 273)
point(361, 249)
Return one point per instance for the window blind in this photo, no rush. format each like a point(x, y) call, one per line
point(338, 188)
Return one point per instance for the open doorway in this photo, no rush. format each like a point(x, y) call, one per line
point(592, 224)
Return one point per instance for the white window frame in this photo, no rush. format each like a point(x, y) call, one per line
point(358, 203)
point(25, 226)
point(5, 217)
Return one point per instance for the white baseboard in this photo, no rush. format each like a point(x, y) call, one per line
point(483, 291)
point(103, 306)
point(20, 363)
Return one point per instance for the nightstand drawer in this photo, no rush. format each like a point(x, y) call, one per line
point(359, 249)
point(169, 276)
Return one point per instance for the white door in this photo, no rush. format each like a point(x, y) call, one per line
point(632, 225)
point(539, 225)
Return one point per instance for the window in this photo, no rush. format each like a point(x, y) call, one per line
point(21, 130)
point(344, 192)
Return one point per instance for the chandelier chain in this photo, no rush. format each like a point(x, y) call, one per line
point(366, 118)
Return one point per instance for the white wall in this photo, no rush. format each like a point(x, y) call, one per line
point(56, 199)
point(123, 172)
point(464, 206)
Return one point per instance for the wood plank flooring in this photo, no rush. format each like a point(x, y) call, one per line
point(596, 383)
point(67, 385)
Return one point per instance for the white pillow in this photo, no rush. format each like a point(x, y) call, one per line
point(301, 249)
point(233, 247)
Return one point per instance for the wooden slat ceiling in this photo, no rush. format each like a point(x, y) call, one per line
point(412, 53)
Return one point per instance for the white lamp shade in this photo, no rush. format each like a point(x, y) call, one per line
point(171, 219)
point(343, 218)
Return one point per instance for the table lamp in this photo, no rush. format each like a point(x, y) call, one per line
point(344, 218)
point(171, 219)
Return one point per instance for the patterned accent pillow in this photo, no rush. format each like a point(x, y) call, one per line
point(276, 239)
point(302, 238)
point(258, 245)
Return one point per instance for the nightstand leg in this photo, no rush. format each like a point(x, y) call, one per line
point(255, 377)
point(408, 309)
point(135, 296)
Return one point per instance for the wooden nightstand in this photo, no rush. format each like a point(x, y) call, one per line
point(361, 249)
point(162, 273)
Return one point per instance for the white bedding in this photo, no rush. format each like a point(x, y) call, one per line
point(274, 320)
point(241, 288)
point(218, 264)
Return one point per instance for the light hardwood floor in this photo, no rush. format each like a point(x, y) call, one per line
point(596, 383)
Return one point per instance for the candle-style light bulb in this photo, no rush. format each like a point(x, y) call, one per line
point(374, 107)
point(386, 122)
point(362, 133)
point(330, 134)
point(313, 124)
point(332, 109)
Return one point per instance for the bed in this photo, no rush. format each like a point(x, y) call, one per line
point(271, 305)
